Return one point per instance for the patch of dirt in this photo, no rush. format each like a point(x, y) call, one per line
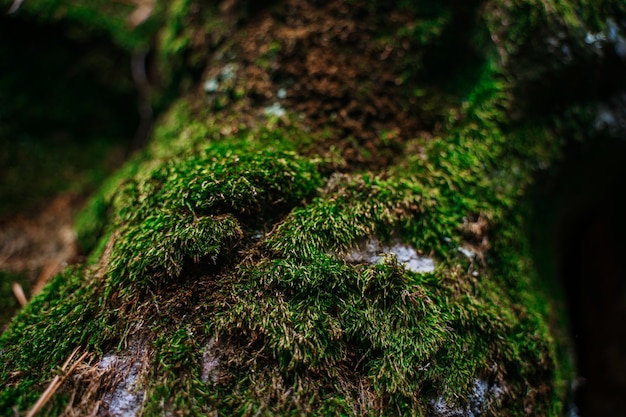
point(340, 66)
point(340, 75)
point(40, 244)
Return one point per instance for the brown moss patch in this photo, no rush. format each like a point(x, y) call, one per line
point(339, 67)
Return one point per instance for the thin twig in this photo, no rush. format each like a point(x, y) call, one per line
point(18, 291)
point(56, 382)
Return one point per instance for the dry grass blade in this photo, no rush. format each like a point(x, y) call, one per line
point(143, 10)
point(56, 382)
point(50, 269)
point(18, 291)
point(15, 6)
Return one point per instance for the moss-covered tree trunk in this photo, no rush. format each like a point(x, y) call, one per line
point(330, 215)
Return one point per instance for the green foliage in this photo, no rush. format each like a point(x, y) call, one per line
point(329, 224)
point(161, 246)
point(166, 216)
point(226, 247)
point(45, 332)
point(191, 207)
point(409, 335)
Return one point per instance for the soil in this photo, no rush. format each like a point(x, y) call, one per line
point(340, 67)
point(40, 244)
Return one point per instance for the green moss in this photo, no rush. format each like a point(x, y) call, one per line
point(192, 195)
point(226, 248)
point(91, 221)
point(8, 303)
point(412, 335)
point(307, 327)
point(31, 350)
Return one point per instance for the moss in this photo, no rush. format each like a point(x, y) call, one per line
point(228, 247)
point(456, 182)
point(8, 303)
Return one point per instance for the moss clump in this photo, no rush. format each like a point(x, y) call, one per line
point(207, 203)
point(204, 203)
point(412, 336)
point(224, 247)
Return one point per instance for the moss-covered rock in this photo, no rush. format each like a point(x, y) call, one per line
point(226, 272)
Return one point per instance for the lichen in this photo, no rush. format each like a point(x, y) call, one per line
point(124, 368)
point(373, 251)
